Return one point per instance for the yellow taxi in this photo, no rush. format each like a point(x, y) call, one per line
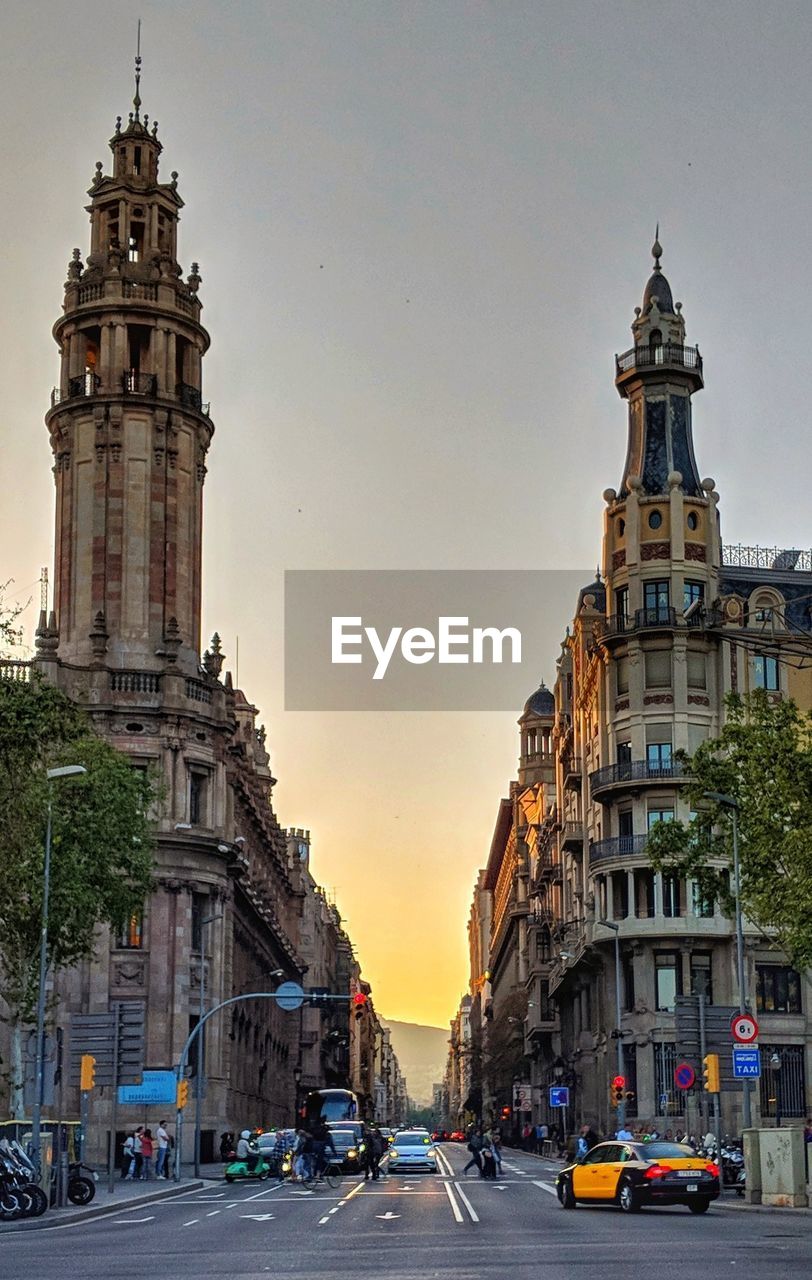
point(633, 1174)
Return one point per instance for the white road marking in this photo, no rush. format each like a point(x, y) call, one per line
point(258, 1217)
point(388, 1216)
point(454, 1206)
point(267, 1191)
point(545, 1186)
point(335, 1209)
point(213, 1213)
point(463, 1197)
point(500, 1187)
point(192, 1222)
point(322, 1221)
point(119, 1222)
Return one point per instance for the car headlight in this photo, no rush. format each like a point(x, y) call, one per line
point(352, 1153)
point(393, 1155)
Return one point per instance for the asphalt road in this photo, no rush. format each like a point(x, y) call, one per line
point(405, 1228)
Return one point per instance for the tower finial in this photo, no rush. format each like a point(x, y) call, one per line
point(657, 249)
point(137, 98)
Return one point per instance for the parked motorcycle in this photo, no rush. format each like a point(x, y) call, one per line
point(81, 1183)
point(18, 1175)
point(741, 1182)
point(732, 1163)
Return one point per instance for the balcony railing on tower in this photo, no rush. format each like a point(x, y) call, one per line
point(139, 384)
point(666, 353)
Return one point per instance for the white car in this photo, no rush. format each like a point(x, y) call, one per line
point(412, 1149)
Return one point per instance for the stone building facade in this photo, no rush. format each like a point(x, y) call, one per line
point(234, 901)
point(673, 622)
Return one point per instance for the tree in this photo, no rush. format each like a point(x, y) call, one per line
point(763, 760)
point(101, 849)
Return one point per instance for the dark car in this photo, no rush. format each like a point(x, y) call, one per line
point(633, 1174)
point(349, 1141)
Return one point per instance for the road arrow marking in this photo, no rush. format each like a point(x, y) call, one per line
point(258, 1217)
point(388, 1216)
point(118, 1222)
point(500, 1187)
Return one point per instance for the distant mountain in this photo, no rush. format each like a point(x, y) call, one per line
point(421, 1053)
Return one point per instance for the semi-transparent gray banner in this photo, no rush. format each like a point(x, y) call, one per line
point(423, 639)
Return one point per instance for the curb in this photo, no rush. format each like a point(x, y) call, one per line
point(101, 1210)
point(742, 1207)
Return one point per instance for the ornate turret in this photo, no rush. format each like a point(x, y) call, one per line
point(128, 425)
point(658, 376)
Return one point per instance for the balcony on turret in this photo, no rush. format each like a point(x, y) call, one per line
point(662, 357)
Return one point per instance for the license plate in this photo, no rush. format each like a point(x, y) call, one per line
point(685, 1173)
point(692, 1186)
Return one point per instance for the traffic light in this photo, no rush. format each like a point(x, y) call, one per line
point(710, 1064)
point(87, 1072)
point(506, 1113)
point(617, 1091)
point(183, 1094)
point(359, 1003)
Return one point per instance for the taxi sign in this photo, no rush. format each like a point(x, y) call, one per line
point(744, 1028)
point(746, 1063)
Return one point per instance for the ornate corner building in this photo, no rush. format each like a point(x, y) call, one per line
point(674, 622)
point(234, 905)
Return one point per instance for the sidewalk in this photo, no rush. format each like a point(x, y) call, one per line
point(125, 1196)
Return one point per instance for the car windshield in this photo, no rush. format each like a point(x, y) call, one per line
point(667, 1151)
point(412, 1140)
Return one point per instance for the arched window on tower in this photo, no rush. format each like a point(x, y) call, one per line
point(656, 346)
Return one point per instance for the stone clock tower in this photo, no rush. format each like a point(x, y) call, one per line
point(128, 425)
point(130, 433)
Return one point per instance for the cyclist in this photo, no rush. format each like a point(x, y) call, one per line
point(322, 1140)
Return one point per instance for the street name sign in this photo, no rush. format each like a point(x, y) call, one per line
point(559, 1096)
point(157, 1088)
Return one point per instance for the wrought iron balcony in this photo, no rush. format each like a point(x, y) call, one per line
point(630, 774)
point(650, 355)
point(572, 835)
point(139, 384)
point(779, 559)
point(617, 847)
point(86, 384)
point(572, 772)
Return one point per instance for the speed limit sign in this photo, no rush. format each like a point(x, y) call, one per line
point(744, 1028)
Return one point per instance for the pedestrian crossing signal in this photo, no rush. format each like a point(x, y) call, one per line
point(183, 1094)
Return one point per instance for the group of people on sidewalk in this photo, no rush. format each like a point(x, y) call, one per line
point(139, 1151)
point(485, 1146)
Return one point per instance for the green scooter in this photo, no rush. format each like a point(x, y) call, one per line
point(252, 1166)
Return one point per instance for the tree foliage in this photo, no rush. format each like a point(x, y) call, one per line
point(102, 843)
point(763, 760)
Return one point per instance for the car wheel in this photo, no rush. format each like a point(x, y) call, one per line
point(699, 1206)
point(627, 1199)
point(566, 1194)
point(263, 1175)
point(229, 1177)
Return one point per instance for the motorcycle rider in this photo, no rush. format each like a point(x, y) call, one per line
point(246, 1151)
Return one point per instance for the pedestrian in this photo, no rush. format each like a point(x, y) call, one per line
point(227, 1151)
point(527, 1137)
point(496, 1147)
point(138, 1157)
point(475, 1147)
point(624, 1135)
point(162, 1158)
point(147, 1147)
point(128, 1160)
point(301, 1155)
point(487, 1157)
point(375, 1149)
point(590, 1137)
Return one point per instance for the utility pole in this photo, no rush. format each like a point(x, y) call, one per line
point(201, 1051)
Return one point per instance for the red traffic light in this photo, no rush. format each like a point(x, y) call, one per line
point(619, 1082)
point(359, 998)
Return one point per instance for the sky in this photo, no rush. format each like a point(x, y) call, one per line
point(422, 229)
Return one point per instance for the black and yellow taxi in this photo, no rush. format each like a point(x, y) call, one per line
point(633, 1174)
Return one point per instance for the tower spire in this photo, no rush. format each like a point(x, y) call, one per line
point(657, 249)
point(137, 98)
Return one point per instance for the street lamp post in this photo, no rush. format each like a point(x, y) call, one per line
point(201, 1052)
point(775, 1063)
point(731, 803)
point(621, 1106)
point(52, 775)
point(297, 1080)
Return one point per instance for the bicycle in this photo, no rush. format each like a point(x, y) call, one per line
point(332, 1174)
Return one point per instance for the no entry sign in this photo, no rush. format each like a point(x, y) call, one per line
point(684, 1075)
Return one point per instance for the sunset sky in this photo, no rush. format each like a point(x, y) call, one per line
point(422, 229)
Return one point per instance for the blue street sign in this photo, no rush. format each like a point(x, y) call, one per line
point(746, 1063)
point(157, 1089)
point(559, 1096)
point(663, 1103)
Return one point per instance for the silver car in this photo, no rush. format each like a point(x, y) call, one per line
point(412, 1149)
